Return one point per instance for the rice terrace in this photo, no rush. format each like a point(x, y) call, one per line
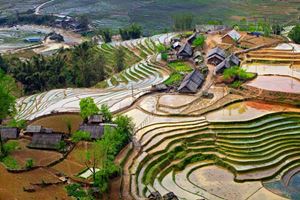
point(150, 100)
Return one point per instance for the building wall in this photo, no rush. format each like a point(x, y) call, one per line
point(228, 40)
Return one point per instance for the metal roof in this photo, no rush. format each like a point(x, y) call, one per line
point(233, 34)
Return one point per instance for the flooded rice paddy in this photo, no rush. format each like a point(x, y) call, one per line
point(246, 110)
point(276, 83)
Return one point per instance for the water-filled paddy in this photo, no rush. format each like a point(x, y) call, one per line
point(246, 110)
point(276, 83)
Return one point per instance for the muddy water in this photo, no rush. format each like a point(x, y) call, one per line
point(276, 83)
point(246, 110)
point(59, 122)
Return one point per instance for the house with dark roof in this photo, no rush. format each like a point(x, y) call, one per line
point(95, 119)
point(231, 37)
point(96, 130)
point(176, 46)
point(8, 133)
point(32, 129)
point(191, 39)
point(191, 82)
point(170, 196)
point(216, 56)
point(154, 196)
point(185, 51)
point(48, 141)
point(230, 61)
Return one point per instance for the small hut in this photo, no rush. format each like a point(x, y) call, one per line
point(96, 130)
point(230, 61)
point(185, 52)
point(48, 141)
point(232, 37)
point(191, 82)
point(216, 56)
point(95, 119)
point(8, 133)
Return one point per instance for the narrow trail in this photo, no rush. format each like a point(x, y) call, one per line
point(38, 8)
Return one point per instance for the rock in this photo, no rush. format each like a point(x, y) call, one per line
point(29, 188)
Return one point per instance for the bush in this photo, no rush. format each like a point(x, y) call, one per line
point(295, 34)
point(29, 163)
point(75, 190)
point(81, 135)
point(236, 84)
point(107, 115)
point(164, 56)
point(21, 124)
point(199, 41)
point(237, 73)
point(88, 108)
point(10, 162)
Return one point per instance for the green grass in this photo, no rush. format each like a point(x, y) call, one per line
point(180, 67)
point(10, 162)
point(174, 79)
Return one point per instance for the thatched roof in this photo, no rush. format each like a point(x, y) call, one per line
point(185, 51)
point(191, 82)
point(95, 119)
point(9, 133)
point(96, 131)
point(45, 141)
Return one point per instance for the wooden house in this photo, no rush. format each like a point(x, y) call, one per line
point(95, 119)
point(50, 141)
point(191, 82)
point(8, 133)
point(230, 61)
point(232, 37)
point(185, 52)
point(96, 130)
point(216, 56)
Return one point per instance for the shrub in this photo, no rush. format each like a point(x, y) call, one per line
point(199, 41)
point(75, 190)
point(21, 124)
point(10, 162)
point(107, 115)
point(11, 146)
point(29, 163)
point(236, 84)
point(295, 34)
point(164, 56)
point(81, 135)
point(237, 73)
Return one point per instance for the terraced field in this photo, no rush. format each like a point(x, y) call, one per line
point(172, 155)
point(122, 89)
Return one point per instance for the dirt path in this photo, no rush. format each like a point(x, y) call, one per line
point(38, 8)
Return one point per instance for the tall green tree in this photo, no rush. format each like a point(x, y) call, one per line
point(120, 59)
point(88, 108)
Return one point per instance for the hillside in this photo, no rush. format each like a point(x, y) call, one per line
point(117, 13)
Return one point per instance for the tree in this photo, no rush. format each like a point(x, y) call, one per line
point(106, 34)
point(88, 108)
point(295, 34)
point(277, 29)
point(199, 41)
point(125, 126)
point(107, 115)
point(183, 22)
point(120, 59)
point(84, 22)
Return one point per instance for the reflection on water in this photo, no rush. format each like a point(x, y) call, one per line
point(276, 83)
point(292, 191)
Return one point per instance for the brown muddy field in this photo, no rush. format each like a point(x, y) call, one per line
point(11, 186)
point(59, 122)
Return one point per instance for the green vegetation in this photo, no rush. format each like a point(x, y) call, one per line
point(120, 59)
point(88, 108)
point(180, 67)
point(295, 34)
point(199, 41)
point(10, 162)
point(29, 163)
point(75, 190)
point(21, 124)
point(134, 31)
point(183, 22)
point(107, 115)
point(174, 79)
point(81, 136)
point(237, 73)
